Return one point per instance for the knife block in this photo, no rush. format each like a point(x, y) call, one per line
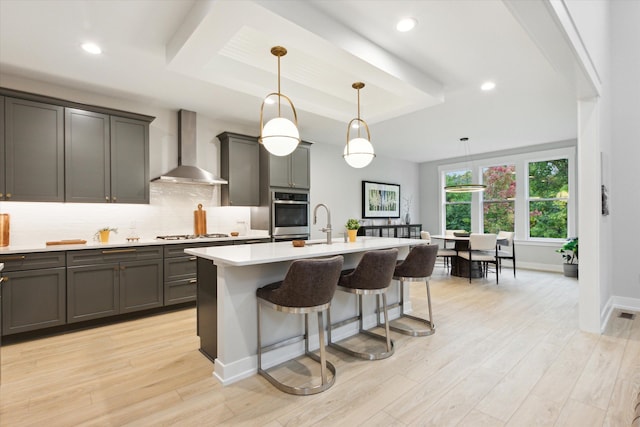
point(199, 221)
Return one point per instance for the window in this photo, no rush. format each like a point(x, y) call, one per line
point(529, 193)
point(458, 205)
point(548, 198)
point(498, 206)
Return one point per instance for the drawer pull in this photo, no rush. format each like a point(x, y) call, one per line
point(193, 281)
point(118, 251)
point(193, 258)
point(14, 258)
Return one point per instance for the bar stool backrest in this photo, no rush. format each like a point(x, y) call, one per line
point(425, 235)
point(309, 282)
point(374, 271)
point(419, 262)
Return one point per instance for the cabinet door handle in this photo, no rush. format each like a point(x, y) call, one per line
point(118, 251)
point(193, 281)
point(9, 195)
point(193, 258)
point(13, 258)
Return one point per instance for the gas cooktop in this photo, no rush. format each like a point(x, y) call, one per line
point(191, 236)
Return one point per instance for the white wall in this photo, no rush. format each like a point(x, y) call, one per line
point(339, 186)
point(624, 199)
point(171, 206)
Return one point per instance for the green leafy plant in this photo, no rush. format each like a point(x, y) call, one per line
point(352, 224)
point(569, 251)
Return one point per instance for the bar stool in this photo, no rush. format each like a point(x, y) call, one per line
point(417, 267)
point(372, 276)
point(308, 287)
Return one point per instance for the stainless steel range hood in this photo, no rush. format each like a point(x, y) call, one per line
point(187, 172)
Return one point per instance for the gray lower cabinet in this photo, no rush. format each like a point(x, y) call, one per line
point(33, 165)
point(180, 278)
point(33, 292)
point(107, 282)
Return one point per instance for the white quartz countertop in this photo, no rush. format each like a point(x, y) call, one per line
point(42, 247)
point(264, 253)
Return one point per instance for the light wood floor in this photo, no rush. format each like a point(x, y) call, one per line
point(507, 355)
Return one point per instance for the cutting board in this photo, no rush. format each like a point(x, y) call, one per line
point(67, 242)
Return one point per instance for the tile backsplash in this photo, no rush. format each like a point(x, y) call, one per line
point(170, 212)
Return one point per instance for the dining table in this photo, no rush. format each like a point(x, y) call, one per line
point(460, 266)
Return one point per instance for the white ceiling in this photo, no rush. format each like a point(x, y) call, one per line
point(422, 88)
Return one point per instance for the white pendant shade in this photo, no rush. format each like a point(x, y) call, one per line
point(280, 136)
point(358, 153)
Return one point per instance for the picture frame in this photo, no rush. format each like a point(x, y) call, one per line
point(380, 200)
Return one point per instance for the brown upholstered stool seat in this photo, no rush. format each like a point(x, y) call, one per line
point(308, 287)
point(417, 267)
point(372, 276)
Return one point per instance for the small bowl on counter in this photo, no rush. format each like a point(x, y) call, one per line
point(297, 243)
point(234, 234)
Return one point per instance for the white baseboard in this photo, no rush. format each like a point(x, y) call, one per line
point(620, 303)
point(244, 368)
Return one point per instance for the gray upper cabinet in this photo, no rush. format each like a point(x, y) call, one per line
point(53, 150)
point(290, 171)
point(240, 165)
point(107, 158)
point(87, 157)
point(33, 151)
point(129, 160)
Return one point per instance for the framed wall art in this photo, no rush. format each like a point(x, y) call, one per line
point(380, 200)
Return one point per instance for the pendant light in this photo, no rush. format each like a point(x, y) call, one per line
point(279, 136)
point(465, 188)
point(358, 152)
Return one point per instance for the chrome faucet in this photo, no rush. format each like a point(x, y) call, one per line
point(326, 229)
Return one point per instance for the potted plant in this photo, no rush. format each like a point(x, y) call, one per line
point(352, 228)
point(103, 234)
point(569, 252)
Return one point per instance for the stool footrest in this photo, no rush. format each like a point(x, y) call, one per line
point(413, 332)
point(283, 343)
point(367, 356)
point(297, 390)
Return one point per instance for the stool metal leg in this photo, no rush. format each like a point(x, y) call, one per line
point(389, 344)
point(325, 365)
point(405, 329)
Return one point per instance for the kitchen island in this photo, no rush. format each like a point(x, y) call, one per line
point(228, 278)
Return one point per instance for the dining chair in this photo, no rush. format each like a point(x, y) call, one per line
point(483, 248)
point(444, 253)
point(506, 249)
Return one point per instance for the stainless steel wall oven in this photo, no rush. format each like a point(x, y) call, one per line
point(289, 215)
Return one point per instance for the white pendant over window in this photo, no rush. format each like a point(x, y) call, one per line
point(358, 152)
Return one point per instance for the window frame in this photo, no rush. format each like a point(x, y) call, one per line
point(521, 162)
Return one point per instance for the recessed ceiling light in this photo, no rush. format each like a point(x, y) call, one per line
point(406, 24)
point(92, 48)
point(486, 86)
